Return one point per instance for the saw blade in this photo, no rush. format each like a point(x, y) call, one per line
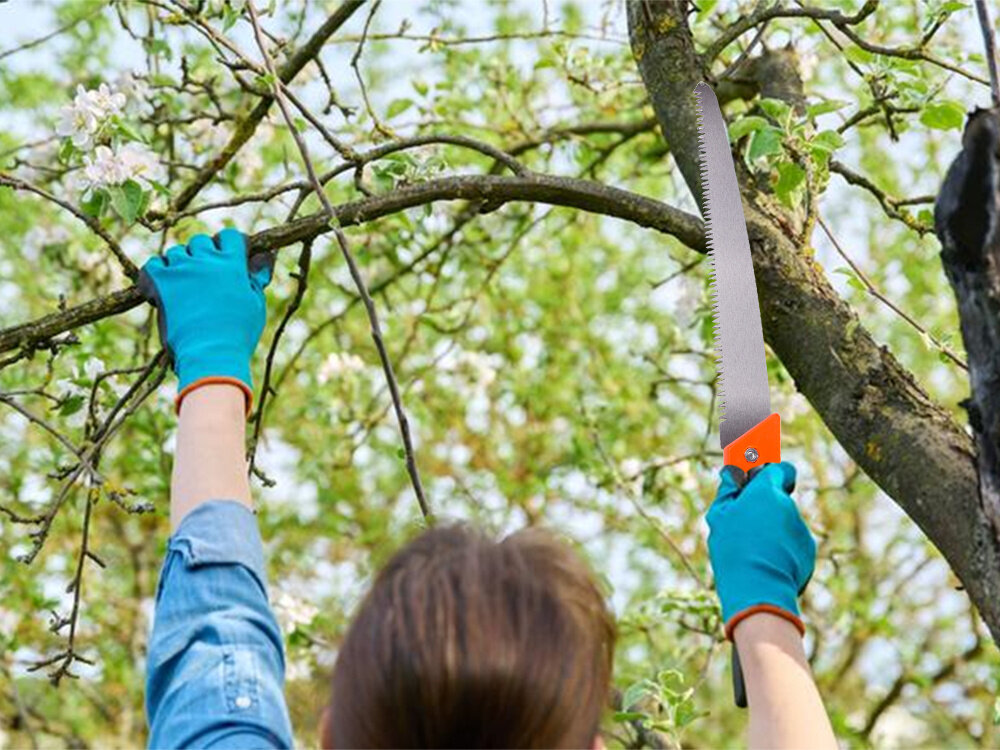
point(744, 397)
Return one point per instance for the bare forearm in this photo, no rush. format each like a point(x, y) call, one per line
point(210, 463)
point(786, 710)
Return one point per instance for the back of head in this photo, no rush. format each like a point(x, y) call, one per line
point(468, 642)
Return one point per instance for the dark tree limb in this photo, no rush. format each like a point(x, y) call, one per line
point(907, 444)
point(965, 217)
point(493, 190)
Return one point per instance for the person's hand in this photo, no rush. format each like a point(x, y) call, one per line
point(211, 312)
point(761, 550)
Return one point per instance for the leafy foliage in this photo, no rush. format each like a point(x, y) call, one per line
point(556, 365)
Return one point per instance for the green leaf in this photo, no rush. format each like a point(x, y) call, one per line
point(623, 716)
point(857, 55)
point(156, 47)
point(790, 177)
point(128, 200)
point(776, 108)
point(266, 81)
point(745, 125)
point(634, 693)
point(229, 17)
point(72, 405)
point(397, 107)
point(825, 107)
point(66, 151)
point(766, 142)
point(946, 115)
point(160, 188)
point(126, 129)
point(705, 8)
point(96, 204)
point(828, 140)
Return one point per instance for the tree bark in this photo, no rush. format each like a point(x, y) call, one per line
point(978, 294)
point(907, 444)
point(965, 220)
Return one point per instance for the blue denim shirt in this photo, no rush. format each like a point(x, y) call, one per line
point(216, 665)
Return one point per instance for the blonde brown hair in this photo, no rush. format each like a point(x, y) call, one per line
point(464, 641)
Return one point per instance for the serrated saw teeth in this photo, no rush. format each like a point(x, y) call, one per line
point(741, 390)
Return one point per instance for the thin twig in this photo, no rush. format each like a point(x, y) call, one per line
point(634, 500)
point(873, 290)
point(61, 30)
point(889, 204)
point(359, 282)
point(989, 44)
point(128, 267)
point(355, 58)
point(302, 279)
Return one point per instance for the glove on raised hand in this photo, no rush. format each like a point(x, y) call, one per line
point(762, 553)
point(211, 311)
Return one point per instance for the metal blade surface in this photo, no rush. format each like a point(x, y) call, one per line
point(743, 392)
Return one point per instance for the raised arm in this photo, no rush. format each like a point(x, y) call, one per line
point(763, 556)
point(216, 662)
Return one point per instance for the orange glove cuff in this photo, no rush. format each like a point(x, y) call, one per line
point(215, 380)
point(770, 609)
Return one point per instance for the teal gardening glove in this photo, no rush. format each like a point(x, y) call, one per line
point(210, 300)
point(761, 550)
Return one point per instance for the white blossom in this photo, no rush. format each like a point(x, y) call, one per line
point(482, 366)
point(140, 163)
point(103, 100)
point(293, 612)
point(630, 467)
point(77, 123)
point(339, 364)
point(103, 169)
point(136, 90)
point(90, 109)
point(92, 368)
point(130, 162)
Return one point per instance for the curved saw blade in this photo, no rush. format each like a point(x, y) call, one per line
point(744, 397)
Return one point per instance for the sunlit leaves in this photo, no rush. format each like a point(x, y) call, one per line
point(946, 115)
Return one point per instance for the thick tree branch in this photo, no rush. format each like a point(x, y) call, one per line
point(491, 191)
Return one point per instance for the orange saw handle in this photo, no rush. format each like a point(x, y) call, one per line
point(757, 446)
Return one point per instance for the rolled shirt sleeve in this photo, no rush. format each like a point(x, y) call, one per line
point(216, 665)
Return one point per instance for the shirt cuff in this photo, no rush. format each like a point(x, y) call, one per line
point(220, 532)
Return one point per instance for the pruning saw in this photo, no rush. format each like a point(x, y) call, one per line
point(750, 434)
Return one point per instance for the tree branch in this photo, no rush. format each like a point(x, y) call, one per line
point(493, 190)
point(246, 126)
point(15, 183)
